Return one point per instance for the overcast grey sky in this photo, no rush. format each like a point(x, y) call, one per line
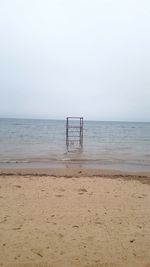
point(82, 57)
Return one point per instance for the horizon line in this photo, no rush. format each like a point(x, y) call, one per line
point(98, 120)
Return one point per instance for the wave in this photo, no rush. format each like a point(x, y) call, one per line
point(102, 160)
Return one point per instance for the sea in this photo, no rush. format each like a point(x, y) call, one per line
point(33, 143)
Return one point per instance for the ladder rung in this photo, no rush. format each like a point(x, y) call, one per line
point(75, 136)
point(74, 126)
point(73, 131)
point(74, 140)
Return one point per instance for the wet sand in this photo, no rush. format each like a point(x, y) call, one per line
point(77, 217)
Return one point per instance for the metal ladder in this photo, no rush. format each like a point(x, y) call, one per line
point(74, 133)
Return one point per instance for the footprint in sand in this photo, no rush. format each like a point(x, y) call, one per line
point(82, 190)
point(132, 240)
point(4, 220)
point(17, 228)
point(98, 222)
point(38, 253)
point(142, 196)
point(17, 257)
point(75, 226)
point(59, 195)
point(61, 235)
point(18, 186)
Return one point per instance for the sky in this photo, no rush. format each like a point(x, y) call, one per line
point(87, 58)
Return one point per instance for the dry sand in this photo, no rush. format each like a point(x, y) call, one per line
point(74, 218)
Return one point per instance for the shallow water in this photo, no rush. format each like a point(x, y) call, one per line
point(107, 144)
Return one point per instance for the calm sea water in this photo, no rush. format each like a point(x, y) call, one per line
point(117, 145)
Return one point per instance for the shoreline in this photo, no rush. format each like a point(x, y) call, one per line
point(143, 177)
point(75, 164)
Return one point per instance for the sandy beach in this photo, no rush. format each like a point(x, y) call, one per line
point(89, 218)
